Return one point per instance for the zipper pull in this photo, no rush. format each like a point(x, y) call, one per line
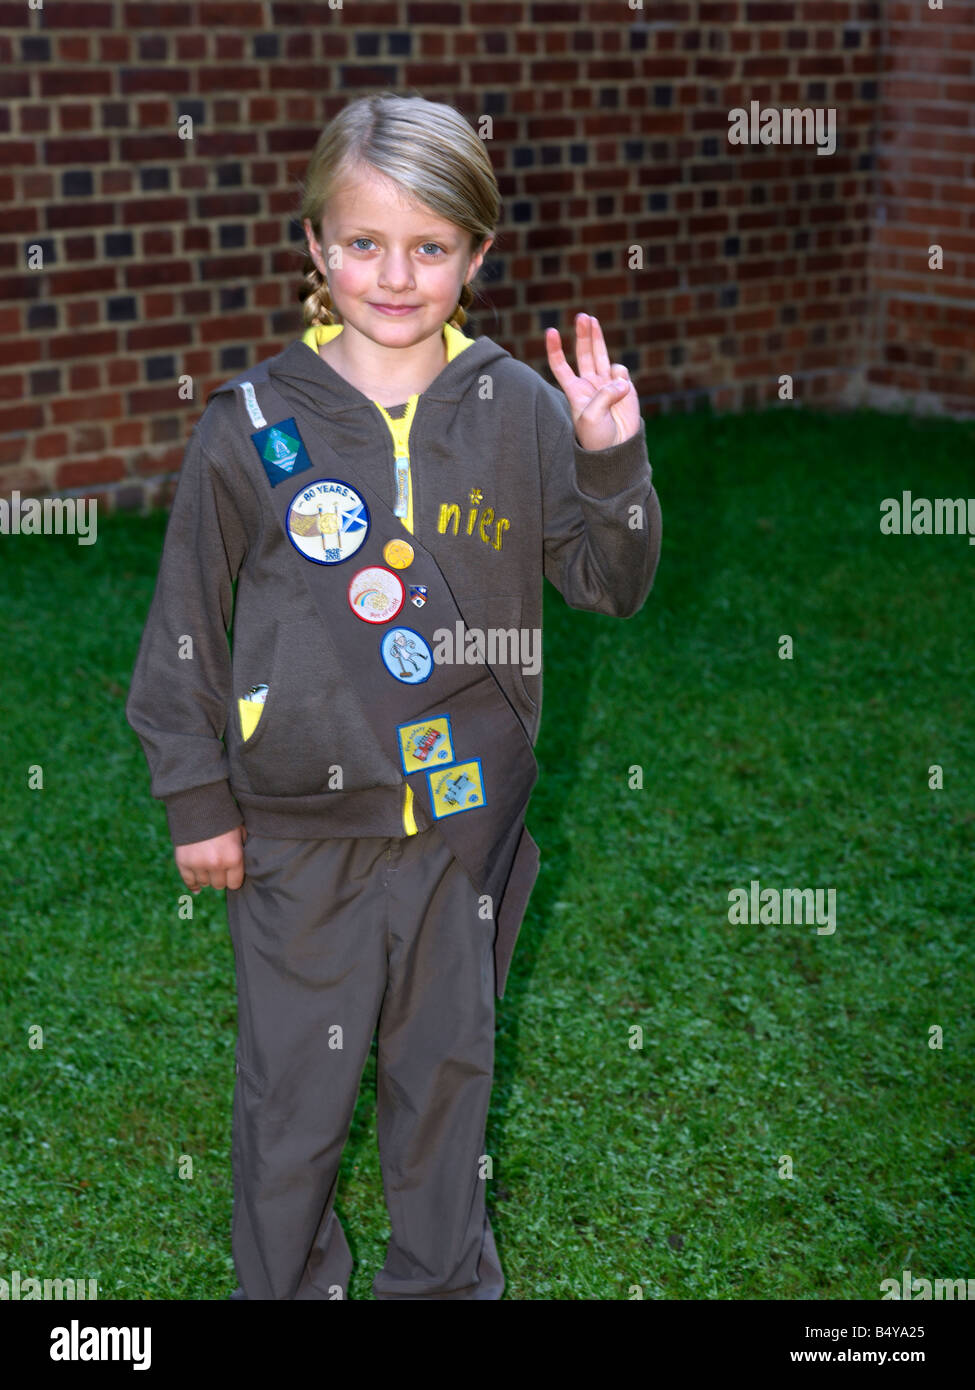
point(402, 464)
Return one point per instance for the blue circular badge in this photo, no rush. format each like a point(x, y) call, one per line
point(327, 521)
point(406, 655)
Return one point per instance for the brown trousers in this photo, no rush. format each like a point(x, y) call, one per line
point(332, 940)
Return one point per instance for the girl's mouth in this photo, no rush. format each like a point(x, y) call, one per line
point(395, 309)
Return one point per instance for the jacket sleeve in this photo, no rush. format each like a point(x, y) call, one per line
point(181, 684)
point(602, 519)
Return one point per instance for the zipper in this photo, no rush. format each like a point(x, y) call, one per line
point(403, 508)
point(402, 480)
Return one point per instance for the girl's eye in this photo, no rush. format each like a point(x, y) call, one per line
point(438, 249)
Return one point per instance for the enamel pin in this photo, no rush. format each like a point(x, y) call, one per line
point(425, 744)
point(457, 788)
point(418, 594)
point(327, 521)
point(376, 594)
point(398, 553)
point(406, 655)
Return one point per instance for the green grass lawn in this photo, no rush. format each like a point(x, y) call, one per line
point(658, 1166)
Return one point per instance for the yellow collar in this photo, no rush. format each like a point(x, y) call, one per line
point(455, 340)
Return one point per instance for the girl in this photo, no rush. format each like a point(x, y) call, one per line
point(366, 812)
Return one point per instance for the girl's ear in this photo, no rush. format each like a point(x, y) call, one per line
point(478, 257)
point(314, 246)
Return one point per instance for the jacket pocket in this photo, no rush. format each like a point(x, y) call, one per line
point(250, 710)
point(313, 735)
point(248, 676)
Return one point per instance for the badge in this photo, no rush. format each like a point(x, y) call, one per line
point(406, 655)
point(327, 521)
point(376, 594)
point(280, 450)
point(425, 744)
point(455, 789)
point(398, 553)
point(418, 594)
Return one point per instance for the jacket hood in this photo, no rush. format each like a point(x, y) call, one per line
point(301, 367)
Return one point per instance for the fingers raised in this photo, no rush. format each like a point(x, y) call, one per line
point(584, 346)
point(600, 355)
point(591, 348)
point(561, 370)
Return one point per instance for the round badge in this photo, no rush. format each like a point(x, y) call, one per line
point(406, 655)
point(376, 594)
point(327, 521)
point(398, 553)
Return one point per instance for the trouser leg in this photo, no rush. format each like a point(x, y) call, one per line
point(434, 1072)
point(308, 927)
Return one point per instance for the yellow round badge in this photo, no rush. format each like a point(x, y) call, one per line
point(398, 553)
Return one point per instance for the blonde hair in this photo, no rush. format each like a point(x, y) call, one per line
point(427, 149)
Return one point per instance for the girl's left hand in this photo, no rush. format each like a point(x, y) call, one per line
point(604, 404)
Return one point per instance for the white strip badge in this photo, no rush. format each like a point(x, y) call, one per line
point(253, 409)
point(402, 489)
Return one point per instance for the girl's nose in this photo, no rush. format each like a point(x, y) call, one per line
point(395, 273)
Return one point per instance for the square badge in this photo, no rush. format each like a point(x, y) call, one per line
point(281, 450)
point(456, 788)
point(425, 744)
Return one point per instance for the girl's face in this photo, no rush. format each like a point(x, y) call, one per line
point(387, 251)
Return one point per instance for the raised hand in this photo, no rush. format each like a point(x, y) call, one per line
point(604, 404)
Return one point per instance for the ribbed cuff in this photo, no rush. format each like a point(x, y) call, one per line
point(201, 813)
point(606, 472)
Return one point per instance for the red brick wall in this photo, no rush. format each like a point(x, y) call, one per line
point(164, 257)
point(922, 331)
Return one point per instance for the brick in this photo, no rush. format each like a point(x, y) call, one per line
point(29, 482)
point(80, 152)
point(433, 12)
point(26, 415)
point(86, 471)
point(72, 82)
point(70, 410)
point(237, 16)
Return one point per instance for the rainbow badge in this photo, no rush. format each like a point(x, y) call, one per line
point(376, 594)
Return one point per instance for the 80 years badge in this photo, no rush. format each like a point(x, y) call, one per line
point(327, 521)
